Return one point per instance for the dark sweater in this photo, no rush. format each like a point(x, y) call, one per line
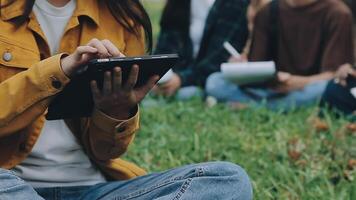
point(226, 22)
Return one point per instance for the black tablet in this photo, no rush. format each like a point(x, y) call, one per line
point(76, 101)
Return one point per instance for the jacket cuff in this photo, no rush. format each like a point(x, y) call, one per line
point(120, 128)
point(57, 78)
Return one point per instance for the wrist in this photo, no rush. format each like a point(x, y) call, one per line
point(66, 65)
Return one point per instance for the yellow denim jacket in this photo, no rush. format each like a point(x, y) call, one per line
point(29, 78)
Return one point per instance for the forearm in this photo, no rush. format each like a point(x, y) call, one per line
point(320, 77)
point(26, 96)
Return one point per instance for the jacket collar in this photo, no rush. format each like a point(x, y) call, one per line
point(87, 8)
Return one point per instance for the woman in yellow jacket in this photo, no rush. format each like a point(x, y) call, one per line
point(43, 43)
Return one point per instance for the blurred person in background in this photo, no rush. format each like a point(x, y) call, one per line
point(43, 44)
point(196, 30)
point(307, 39)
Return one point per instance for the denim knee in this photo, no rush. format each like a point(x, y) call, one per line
point(9, 180)
point(189, 92)
point(239, 181)
point(214, 84)
point(12, 187)
point(224, 169)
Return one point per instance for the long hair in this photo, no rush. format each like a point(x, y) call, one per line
point(176, 15)
point(124, 11)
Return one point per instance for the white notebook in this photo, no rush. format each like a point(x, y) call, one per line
point(248, 72)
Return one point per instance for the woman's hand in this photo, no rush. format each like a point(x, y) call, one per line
point(117, 99)
point(342, 74)
point(83, 54)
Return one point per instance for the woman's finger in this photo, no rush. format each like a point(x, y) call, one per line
point(102, 51)
point(86, 49)
point(107, 86)
point(132, 80)
point(111, 48)
point(148, 86)
point(95, 90)
point(84, 53)
point(117, 79)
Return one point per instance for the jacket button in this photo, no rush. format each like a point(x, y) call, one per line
point(121, 129)
point(7, 56)
point(56, 84)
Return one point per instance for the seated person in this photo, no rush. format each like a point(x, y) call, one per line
point(196, 30)
point(82, 158)
point(306, 57)
point(341, 92)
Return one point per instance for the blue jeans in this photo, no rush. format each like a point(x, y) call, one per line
point(189, 92)
point(216, 180)
point(226, 91)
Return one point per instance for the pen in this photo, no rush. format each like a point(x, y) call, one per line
point(229, 48)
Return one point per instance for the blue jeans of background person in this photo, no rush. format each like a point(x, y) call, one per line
point(226, 91)
point(216, 180)
point(189, 92)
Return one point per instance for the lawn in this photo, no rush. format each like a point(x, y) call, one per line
point(288, 156)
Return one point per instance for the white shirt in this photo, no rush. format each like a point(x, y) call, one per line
point(53, 21)
point(57, 159)
point(199, 13)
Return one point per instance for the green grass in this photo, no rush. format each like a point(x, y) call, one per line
point(178, 133)
point(284, 155)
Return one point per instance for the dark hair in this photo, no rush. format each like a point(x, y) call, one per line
point(176, 15)
point(124, 11)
